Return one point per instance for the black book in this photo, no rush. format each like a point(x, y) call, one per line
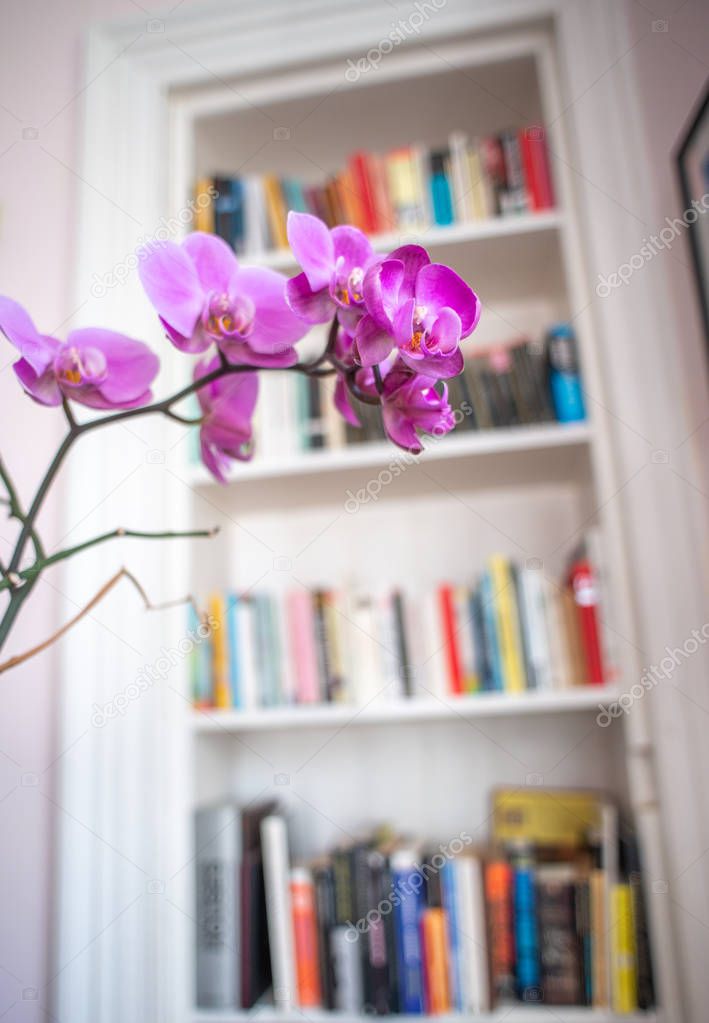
point(378, 978)
point(324, 882)
point(583, 935)
point(558, 941)
point(359, 874)
point(630, 862)
point(402, 649)
point(254, 947)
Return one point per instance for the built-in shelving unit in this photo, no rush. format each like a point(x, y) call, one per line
point(508, 1014)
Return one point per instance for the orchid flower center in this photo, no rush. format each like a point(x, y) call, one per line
point(418, 329)
point(225, 316)
point(348, 287)
point(77, 366)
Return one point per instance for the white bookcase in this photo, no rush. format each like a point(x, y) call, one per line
point(425, 766)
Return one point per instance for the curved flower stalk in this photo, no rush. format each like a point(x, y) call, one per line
point(397, 324)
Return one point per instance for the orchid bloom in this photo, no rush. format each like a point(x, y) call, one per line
point(410, 402)
point(203, 296)
point(227, 408)
point(423, 309)
point(334, 263)
point(96, 367)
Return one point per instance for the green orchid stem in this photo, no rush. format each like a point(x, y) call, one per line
point(18, 583)
point(28, 574)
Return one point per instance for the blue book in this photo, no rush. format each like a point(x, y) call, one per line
point(439, 186)
point(233, 639)
point(294, 195)
point(483, 665)
point(487, 600)
point(407, 936)
point(448, 897)
point(528, 972)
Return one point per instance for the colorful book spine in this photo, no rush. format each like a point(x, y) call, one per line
point(508, 626)
point(305, 938)
point(622, 939)
point(447, 602)
point(451, 897)
point(527, 969)
point(586, 597)
point(498, 896)
point(434, 939)
point(407, 936)
point(220, 652)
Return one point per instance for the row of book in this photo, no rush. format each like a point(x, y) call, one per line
point(514, 631)
point(550, 910)
point(518, 383)
point(407, 189)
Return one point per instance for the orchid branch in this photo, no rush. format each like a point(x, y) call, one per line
point(122, 573)
point(119, 533)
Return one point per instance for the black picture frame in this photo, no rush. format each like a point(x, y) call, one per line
point(692, 157)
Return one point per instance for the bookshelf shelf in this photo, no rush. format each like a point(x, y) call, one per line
point(510, 1014)
point(381, 713)
point(507, 440)
point(436, 237)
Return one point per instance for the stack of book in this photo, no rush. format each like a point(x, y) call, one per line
point(514, 631)
point(550, 911)
point(407, 189)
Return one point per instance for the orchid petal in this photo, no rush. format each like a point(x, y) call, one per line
point(213, 260)
point(311, 306)
point(15, 322)
point(372, 344)
point(43, 387)
point(275, 326)
point(400, 429)
point(382, 285)
point(438, 286)
point(312, 246)
point(130, 365)
point(445, 332)
point(343, 403)
point(171, 282)
point(439, 367)
point(414, 258)
point(350, 244)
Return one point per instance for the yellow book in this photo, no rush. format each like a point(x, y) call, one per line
point(220, 651)
point(276, 210)
point(508, 626)
point(624, 981)
point(559, 817)
point(204, 205)
point(599, 936)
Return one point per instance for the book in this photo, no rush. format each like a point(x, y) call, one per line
point(472, 934)
point(524, 908)
point(217, 838)
point(508, 626)
point(585, 595)
point(305, 938)
point(447, 602)
point(559, 952)
point(408, 904)
point(434, 943)
point(498, 897)
point(255, 964)
point(622, 943)
point(279, 913)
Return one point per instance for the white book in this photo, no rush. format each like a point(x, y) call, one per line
point(347, 968)
point(276, 876)
point(534, 617)
point(365, 649)
point(248, 654)
point(472, 934)
point(386, 621)
point(434, 656)
point(460, 176)
point(560, 663)
point(256, 230)
point(286, 665)
point(415, 645)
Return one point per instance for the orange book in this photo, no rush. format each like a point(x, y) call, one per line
point(276, 211)
point(436, 967)
point(305, 938)
point(498, 897)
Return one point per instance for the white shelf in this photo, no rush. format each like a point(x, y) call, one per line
point(379, 454)
point(413, 709)
point(508, 1013)
point(434, 237)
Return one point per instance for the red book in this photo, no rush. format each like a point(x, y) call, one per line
point(446, 599)
point(540, 169)
point(305, 938)
point(535, 198)
point(364, 187)
point(585, 590)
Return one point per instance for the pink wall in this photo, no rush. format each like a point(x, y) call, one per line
point(40, 76)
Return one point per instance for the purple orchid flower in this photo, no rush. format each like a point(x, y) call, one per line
point(227, 407)
point(203, 296)
point(422, 308)
point(96, 367)
point(334, 263)
point(410, 402)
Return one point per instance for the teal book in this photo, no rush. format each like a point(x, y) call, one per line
point(487, 601)
point(232, 602)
